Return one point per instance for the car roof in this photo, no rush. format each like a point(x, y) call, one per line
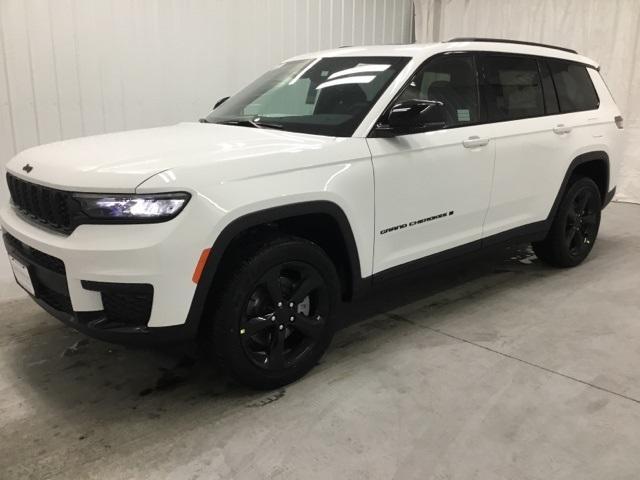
point(423, 51)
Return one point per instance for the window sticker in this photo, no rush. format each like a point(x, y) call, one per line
point(464, 115)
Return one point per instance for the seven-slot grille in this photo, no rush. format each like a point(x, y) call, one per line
point(46, 205)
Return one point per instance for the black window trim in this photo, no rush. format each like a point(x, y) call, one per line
point(482, 106)
point(544, 98)
point(541, 62)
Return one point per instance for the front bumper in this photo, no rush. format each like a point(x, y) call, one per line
point(87, 279)
point(97, 325)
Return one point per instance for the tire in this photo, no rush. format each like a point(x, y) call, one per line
point(274, 317)
point(575, 227)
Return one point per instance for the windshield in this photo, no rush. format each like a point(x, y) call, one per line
point(322, 96)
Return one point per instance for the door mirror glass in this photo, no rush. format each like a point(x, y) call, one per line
point(415, 116)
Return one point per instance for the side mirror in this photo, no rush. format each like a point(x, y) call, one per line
point(220, 102)
point(415, 116)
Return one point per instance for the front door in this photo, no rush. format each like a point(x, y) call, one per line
point(432, 189)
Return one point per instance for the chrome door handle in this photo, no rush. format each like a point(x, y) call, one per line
point(475, 141)
point(561, 129)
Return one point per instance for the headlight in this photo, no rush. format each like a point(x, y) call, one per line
point(155, 207)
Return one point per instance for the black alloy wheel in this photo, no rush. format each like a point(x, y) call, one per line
point(583, 218)
point(273, 315)
point(575, 227)
point(285, 316)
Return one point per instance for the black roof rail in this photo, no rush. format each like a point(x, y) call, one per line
point(504, 40)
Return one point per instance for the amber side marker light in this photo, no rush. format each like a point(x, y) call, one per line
point(197, 273)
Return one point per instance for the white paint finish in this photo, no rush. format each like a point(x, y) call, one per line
point(531, 161)
point(424, 175)
point(230, 171)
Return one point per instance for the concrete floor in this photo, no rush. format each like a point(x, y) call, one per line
point(502, 370)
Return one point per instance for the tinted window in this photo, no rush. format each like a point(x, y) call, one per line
point(550, 98)
point(451, 80)
point(323, 96)
point(512, 88)
point(574, 86)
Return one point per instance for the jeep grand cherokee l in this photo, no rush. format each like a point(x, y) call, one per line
point(331, 172)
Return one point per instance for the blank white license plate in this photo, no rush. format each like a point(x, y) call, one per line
point(22, 275)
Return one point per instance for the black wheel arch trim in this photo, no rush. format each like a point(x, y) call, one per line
point(597, 155)
point(610, 195)
point(263, 217)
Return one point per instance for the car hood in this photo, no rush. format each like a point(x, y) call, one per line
point(119, 162)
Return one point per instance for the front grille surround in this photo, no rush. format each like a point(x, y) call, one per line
point(55, 209)
point(61, 211)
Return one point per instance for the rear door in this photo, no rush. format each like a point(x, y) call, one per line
point(536, 135)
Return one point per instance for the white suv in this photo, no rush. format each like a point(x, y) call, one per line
point(328, 174)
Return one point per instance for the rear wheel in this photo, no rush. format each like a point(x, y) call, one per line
point(575, 226)
point(275, 317)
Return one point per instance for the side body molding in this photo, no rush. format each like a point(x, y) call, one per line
point(531, 232)
point(526, 233)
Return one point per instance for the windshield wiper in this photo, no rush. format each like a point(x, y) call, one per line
point(252, 123)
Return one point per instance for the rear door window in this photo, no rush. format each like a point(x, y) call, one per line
point(512, 87)
point(573, 84)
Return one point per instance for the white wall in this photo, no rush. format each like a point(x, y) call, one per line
point(605, 30)
point(70, 68)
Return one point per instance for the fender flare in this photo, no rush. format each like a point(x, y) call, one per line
point(598, 155)
point(261, 217)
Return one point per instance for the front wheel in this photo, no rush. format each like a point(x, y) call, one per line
point(575, 226)
point(275, 318)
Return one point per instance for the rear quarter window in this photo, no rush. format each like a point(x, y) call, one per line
point(574, 87)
